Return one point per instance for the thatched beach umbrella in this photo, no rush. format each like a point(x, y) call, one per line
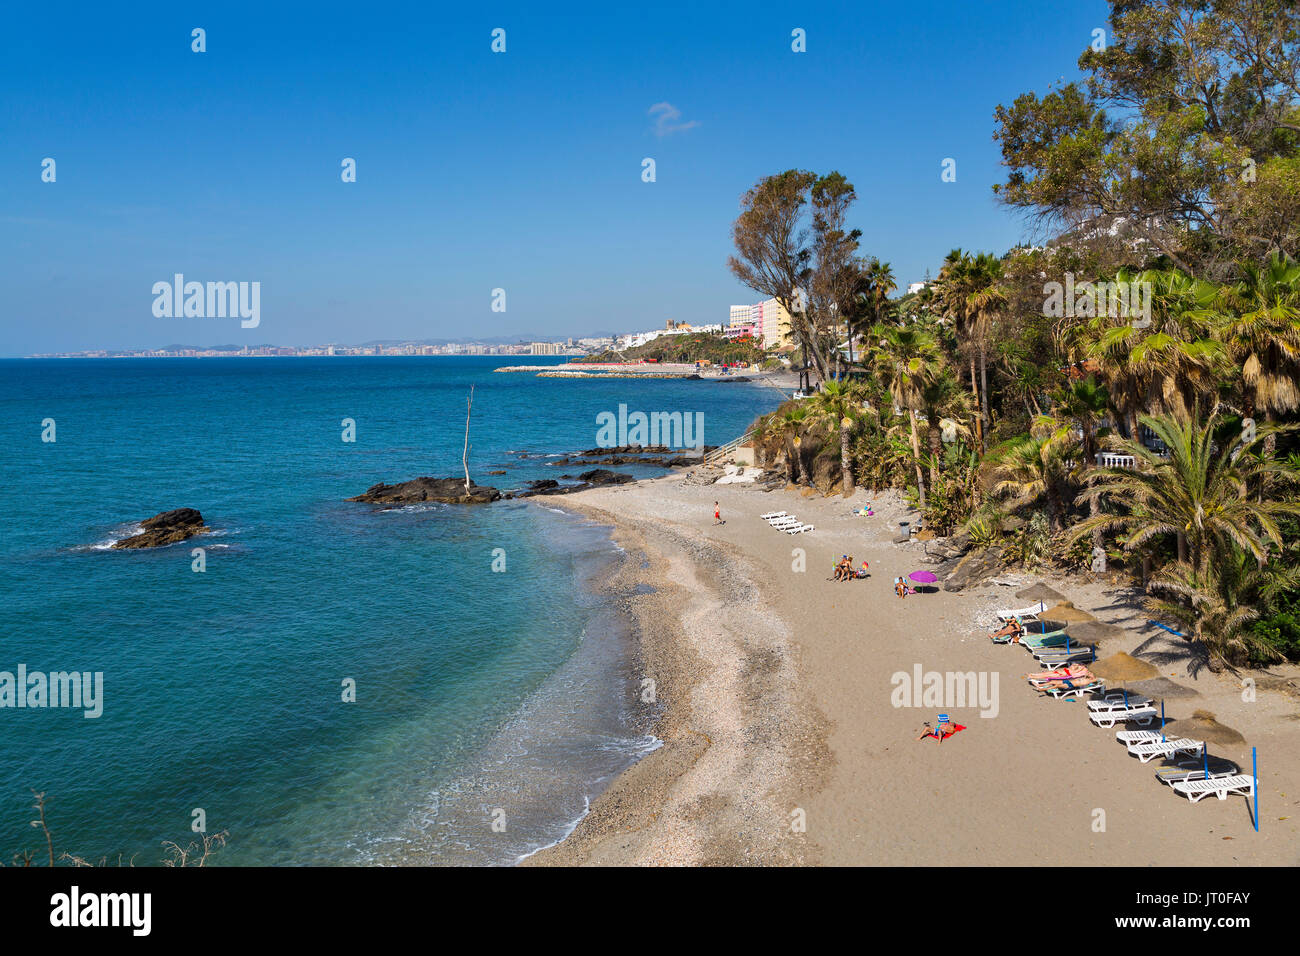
point(1123, 667)
point(1094, 632)
point(1040, 592)
point(1202, 725)
point(1065, 614)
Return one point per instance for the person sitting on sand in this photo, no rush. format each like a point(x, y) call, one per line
point(900, 587)
point(863, 572)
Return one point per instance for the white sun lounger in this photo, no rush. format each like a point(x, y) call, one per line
point(800, 529)
point(1138, 715)
point(1166, 748)
point(1195, 770)
point(1127, 737)
point(1024, 614)
point(1221, 787)
point(1115, 701)
point(1061, 692)
point(1051, 657)
point(782, 523)
point(773, 514)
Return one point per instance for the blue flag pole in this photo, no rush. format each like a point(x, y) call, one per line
point(1162, 720)
point(1205, 761)
point(1254, 770)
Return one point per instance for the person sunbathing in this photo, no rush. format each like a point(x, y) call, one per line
point(940, 732)
point(1011, 629)
point(862, 572)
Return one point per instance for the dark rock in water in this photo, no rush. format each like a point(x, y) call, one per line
point(603, 476)
point(595, 478)
point(166, 528)
point(446, 490)
point(626, 450)
point(496, 472)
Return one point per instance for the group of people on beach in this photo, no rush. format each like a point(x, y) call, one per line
point(844, 570)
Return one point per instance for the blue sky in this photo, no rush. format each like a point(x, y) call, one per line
point(478, 170)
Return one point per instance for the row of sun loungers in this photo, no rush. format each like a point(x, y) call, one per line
point(788, 523)
point(1023, 614)
point(1193, 773)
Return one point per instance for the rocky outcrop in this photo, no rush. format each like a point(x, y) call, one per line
point(595, 478)
point(447, 490)
point(946, 549)
point(975, 567)
point(603, 476)
point(166, 528)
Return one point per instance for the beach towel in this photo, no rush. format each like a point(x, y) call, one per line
point(949, 730)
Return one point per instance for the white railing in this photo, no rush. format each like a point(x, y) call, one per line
point(722, 451)
point(1108, 459)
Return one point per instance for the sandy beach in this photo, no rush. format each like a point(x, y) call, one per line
point(783, 744)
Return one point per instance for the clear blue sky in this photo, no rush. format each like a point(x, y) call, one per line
point(477, 170)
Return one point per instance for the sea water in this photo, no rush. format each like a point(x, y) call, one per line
point(490, 705)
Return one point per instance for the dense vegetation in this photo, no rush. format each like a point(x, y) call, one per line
point(687, 347)
point(1123, 395)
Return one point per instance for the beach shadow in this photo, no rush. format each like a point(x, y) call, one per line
point(1163, 652)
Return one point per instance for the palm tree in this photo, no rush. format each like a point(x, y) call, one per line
point(787, 426)
point(1215, 605)
point(985, 298)
point(869, 301)
point(834, 407)
point(905, 359)
point(942, 399)
point(952, 289)
point(1087, 402)
point(1198, 494)
point(972, 295)
point(1261, 329)
point(1166, 366)
point(1039, 466)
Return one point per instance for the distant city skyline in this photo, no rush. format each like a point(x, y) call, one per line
point(501, 194)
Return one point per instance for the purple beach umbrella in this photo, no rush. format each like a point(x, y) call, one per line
point(923, 577)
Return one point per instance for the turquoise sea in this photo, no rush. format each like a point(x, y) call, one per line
point(482, 697)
